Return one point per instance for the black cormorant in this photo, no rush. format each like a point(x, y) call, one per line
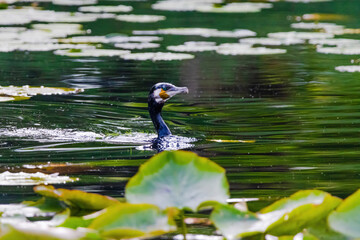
point(158, 95)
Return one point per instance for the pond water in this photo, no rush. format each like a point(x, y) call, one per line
point(278, 123)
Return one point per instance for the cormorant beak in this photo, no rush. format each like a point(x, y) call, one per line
point(174, 91)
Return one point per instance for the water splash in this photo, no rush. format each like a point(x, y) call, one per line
point(62, 137)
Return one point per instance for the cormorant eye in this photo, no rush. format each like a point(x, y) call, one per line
point(165, 88)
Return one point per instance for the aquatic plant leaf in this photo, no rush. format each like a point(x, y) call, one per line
point(290, 215)
point(75, 222)
point(194, 47)
point(74, 3)
point(6, 99)
point(28, 91)
point(300, 35)
point(335, 41)
point(351, 68)
point(21, 178)
point(36, 231)
point(141, 45)
point(178, 179)
point(246, 49)
point(340, 49)
point(110, 39)
point(328, 27)
point(157, 56)
point(208, 6)
point(140, 18)
point(203, 32)
point(272, 41)
point(92, 53)
point(11, 210)
point(234, 223)
point(346, 218)
point(97, 9)
point(235, 7)
point(322, 231)
point(77, 198)
point(307, 1)
point(126, 220)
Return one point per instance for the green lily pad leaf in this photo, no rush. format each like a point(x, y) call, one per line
point(77, 198)
point(126, 220)
point(178, 179)
point(12, 93)
point(46, 205)
point(36, 231)
point(83, 221)
point(75, 222)
point(21, 178)
point(234, 223)
point(322, 231)
point(346, 218)
point(289, 216)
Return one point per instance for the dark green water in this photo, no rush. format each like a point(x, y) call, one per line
point(297, 117)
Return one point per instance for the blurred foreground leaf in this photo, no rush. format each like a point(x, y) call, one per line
point(126, 220)
point(346, 218)
point(178, 179)
point(77, 198)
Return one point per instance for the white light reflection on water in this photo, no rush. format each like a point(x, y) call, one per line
point(64, 139)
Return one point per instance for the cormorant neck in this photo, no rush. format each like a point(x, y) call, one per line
point(155, 114)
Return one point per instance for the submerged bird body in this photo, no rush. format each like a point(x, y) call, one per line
point(158, 95)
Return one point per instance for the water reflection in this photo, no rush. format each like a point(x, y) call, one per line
point(277, 123)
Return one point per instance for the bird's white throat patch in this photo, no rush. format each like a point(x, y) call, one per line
point(157, 97)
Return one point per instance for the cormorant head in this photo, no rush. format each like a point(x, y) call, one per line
point(161, 92)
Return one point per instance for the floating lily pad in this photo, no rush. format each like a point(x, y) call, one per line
point(198, 237)
point(323, 17)
point(20, 16)
point(140, 18)
point(342, 50)
point(27, 91)
point(110, 39)
point(21, 179)
point(204, 32)
point(178, 179)
point(60, 29)
point(300, 35)
point(11, 210)
point(123, 221)
point(157, 56)
point(307, 1)
point(234, 223)
point(39, 47)
point(350, 68)
point(33, 230)
point(98, 9)
point(176, 5)
point(208, 6)
point(317, 25)
point(322, 231)
point(272, 41)
point(77, 198)
point(236, 7)
point(289, 216)
point(74, 2)
point(143, 45)
point(335, 41)
point(194, 47)
point(246, 49)
point(6, 99)
point(346, 218)
point(92, 53)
